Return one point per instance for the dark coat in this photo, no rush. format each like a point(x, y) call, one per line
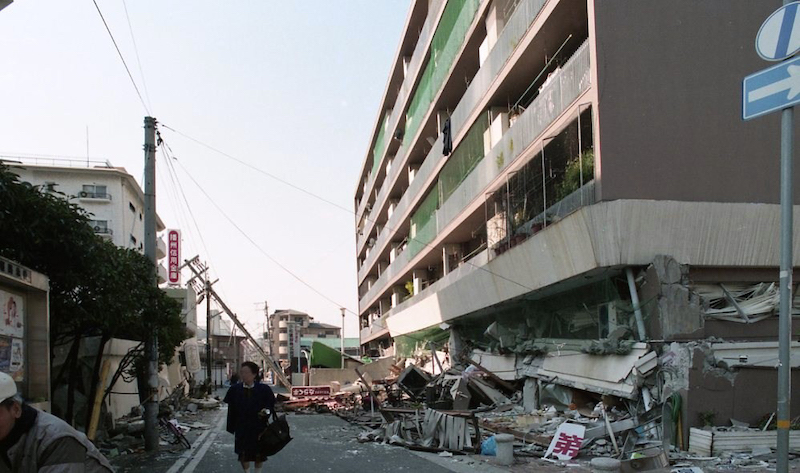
point(243, 408)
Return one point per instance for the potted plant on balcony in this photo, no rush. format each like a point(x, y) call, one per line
point(572, 174)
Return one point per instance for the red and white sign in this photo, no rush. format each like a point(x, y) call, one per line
point(567, 442)
point(311, 391)
point(174, 256)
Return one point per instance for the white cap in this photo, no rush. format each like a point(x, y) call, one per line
point(8, 387)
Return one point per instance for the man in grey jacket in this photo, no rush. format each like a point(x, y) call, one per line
point(35, 441)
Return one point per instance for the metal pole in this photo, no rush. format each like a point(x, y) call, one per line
point(297, 335)
point(151, 439)
point(637, 308)
point(208, 331)
point(785, 318)
point(341, 335)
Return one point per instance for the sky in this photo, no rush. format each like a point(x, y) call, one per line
point(291, 88)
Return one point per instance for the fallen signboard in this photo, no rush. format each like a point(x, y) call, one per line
point(304, 392)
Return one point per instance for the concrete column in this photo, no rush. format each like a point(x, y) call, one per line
point(389, 163)
point(412, 172)
point(398, 293)
point(392, 207)
point(530, 395)
point(419, 276)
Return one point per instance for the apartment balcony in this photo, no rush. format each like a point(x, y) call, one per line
point(161, 248)
point(509, 40)
point(376, 329)
point(554, 99)
point(400, 104)
point(94, 196)
point(283, 337)
point(453, 52)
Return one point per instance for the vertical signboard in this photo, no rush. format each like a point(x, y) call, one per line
point(12, 332)
point(174, 257)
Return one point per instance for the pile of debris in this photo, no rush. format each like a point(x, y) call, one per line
point(126, 435)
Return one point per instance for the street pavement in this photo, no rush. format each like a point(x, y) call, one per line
point(322, 443)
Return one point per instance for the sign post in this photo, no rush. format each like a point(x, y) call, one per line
point(769, 90)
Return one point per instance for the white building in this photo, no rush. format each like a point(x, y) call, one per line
point(110, 194)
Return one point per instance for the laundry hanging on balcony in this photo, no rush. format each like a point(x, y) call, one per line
point(447, 138)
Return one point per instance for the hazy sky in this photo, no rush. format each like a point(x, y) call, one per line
point(291, 87)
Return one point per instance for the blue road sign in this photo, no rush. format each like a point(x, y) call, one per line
point(779, 35)
point(771, 89)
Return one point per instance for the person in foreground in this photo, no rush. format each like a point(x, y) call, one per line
point(35, 441)
point(249, 402)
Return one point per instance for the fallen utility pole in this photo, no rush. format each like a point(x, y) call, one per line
point(193, 265)
point(151, 437)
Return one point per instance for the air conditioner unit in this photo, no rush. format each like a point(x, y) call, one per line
point(97, 228)
point(84, 194)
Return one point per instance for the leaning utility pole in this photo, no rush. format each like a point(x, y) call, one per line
point(151, 437)
point(198, 270)
point(208, 331)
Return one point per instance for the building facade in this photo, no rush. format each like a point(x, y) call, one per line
point(550, 172)
point(110, 194)
point(287, 327)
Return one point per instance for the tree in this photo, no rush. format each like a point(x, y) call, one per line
point(96, 288)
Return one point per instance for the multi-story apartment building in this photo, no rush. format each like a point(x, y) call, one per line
point(110, 194)
point(574, 170)
point(285, 324)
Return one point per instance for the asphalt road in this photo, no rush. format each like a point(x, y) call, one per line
point(322, 443)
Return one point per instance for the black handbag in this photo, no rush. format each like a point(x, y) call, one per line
point(275, 435)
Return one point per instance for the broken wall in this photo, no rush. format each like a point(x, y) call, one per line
point(325, 376)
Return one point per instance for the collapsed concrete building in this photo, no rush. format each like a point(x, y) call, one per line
point(569, 192)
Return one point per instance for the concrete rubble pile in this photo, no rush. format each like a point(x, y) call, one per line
point(125, 435)
point(632, 396)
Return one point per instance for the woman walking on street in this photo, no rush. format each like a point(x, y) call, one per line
point(248, 403)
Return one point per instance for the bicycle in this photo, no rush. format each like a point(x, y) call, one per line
point(171, 429)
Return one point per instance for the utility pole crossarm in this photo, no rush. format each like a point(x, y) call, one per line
point(213, 294)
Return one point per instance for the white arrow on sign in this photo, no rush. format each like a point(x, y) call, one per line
point(791, 83)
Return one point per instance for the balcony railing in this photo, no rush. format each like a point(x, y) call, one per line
point(433, 79)
point(552, 101)
point(94, 195)
point(419, 54)
point(518, 25)
point(571, 81)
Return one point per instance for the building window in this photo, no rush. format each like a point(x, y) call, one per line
point(100, 227)
point(133, 240)
point(283, 330)
point(298, 320)
point(94, 192)
point(284, 318)
point(130, 206)
point(283, 344)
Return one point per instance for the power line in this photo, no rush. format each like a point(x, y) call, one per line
point(111, 35)
point(257, 246)
point(259, 170)
point(182, 199)
point(318, 197)
point(136, 50)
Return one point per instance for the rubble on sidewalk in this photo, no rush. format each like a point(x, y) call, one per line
point(125, 435)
